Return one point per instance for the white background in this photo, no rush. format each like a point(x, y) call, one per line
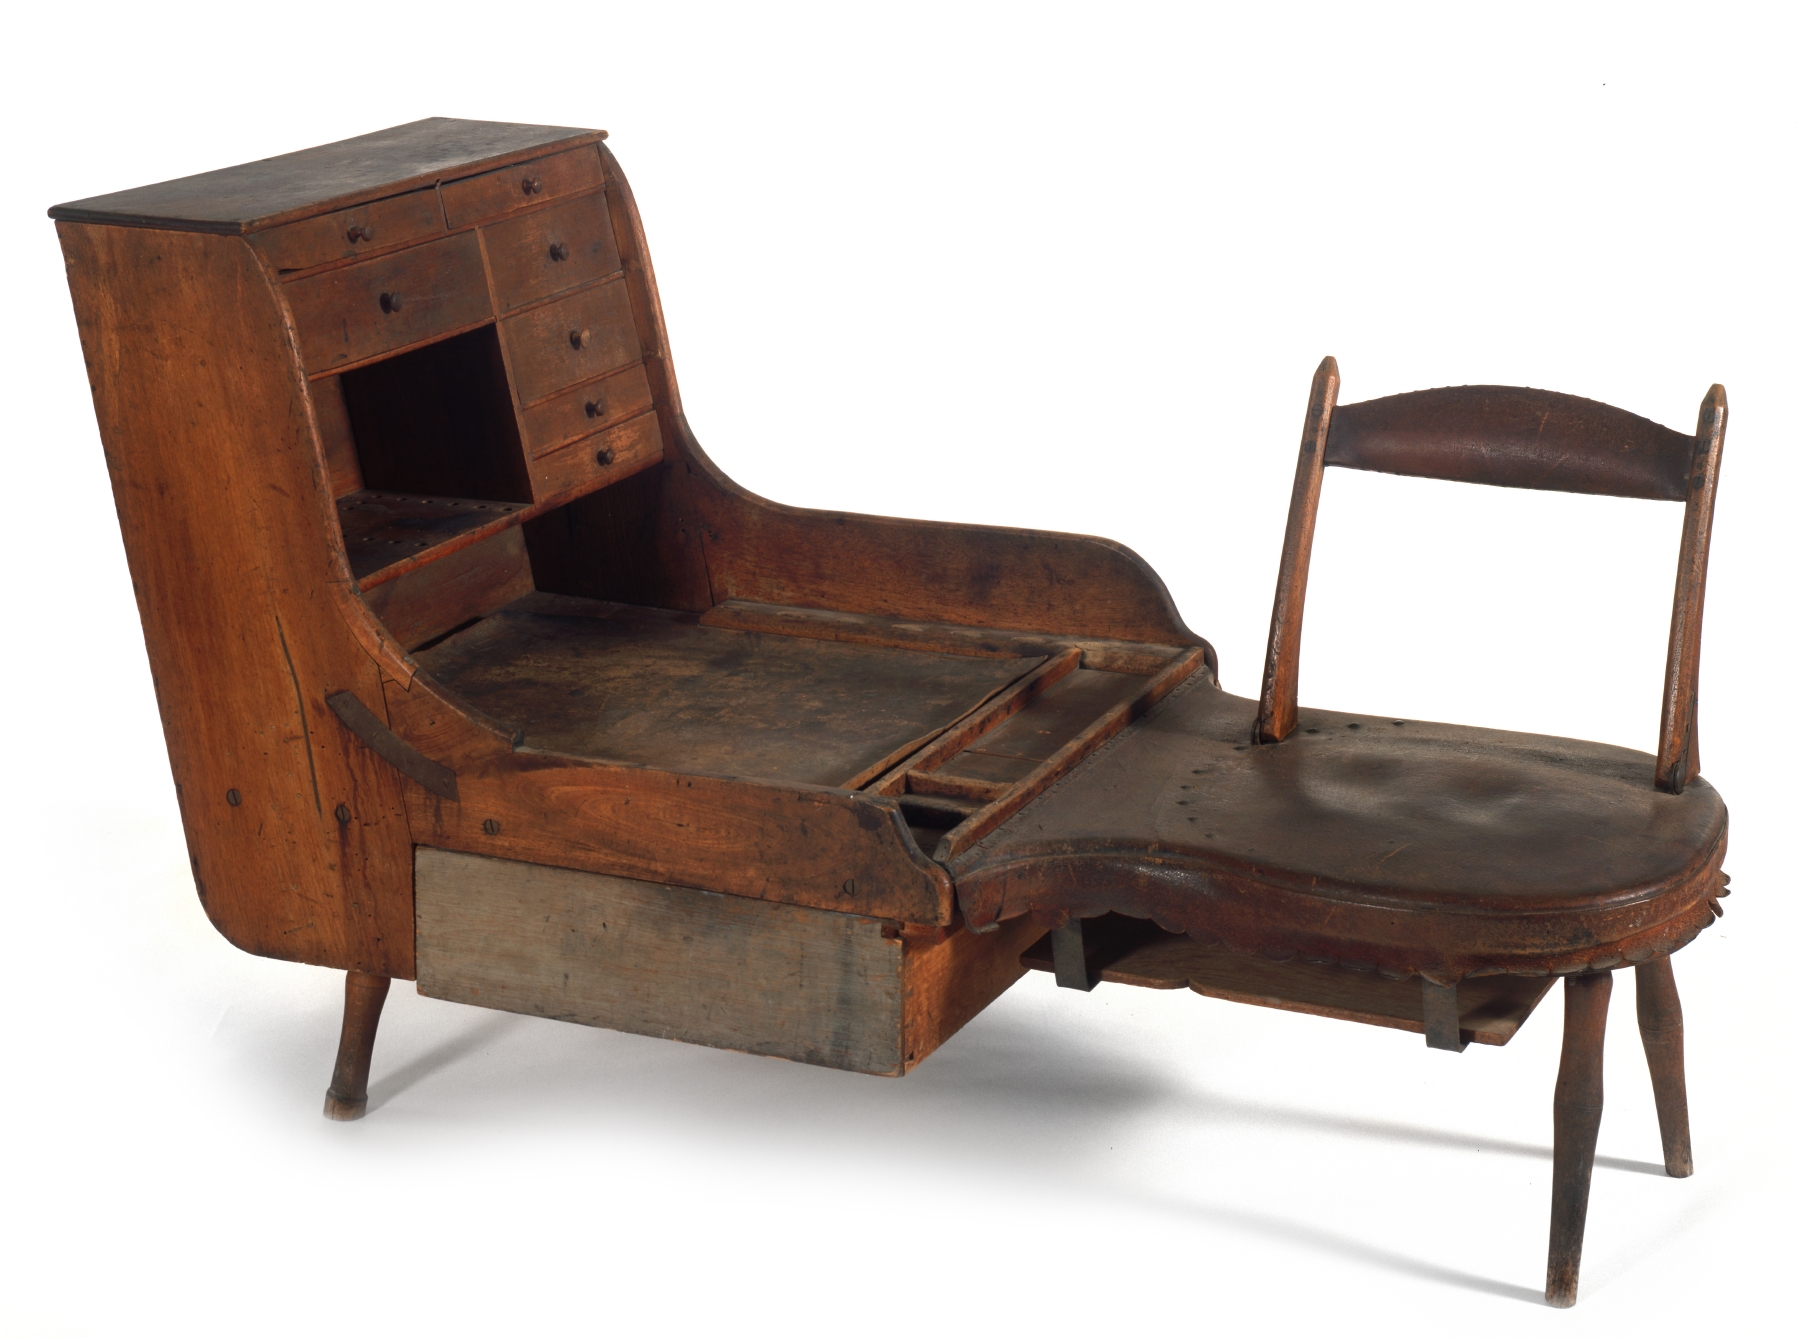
point(1060, 266)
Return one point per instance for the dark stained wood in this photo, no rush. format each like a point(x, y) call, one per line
point(596, 461)
point(348, 1096)
point(240, 593)
point(655, 688)
point(347, 316)
point(1659, 1023)
point(1418, 848)
point(951, 976)
point(390, 747)
point(439, 420)
point(1281, 669)
point(381, 529)
point(379, 225)
point(1491, 1009)
point(342, 468)
point(1578, 1104)
point(470, 583)
point(1029, 737)
point(585, 409)
point(1068, 958)
point(546, 251)
point(1513, 437)
point(520, 185)
point(803, 845)
point(331, 176)
point(1116, 718)
point(1678, 746)
point(979, 790)
point(1443, 1017)
point(571, 340)
point(1125, 657)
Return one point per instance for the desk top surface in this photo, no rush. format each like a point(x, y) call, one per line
point(331, 176)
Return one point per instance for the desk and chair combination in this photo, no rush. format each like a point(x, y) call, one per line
point(476, 671)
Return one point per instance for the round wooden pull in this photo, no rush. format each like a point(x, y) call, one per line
point(580, 338)
point(532, 185)
point(596, 408)
point(361, 233)
point(390, 302)
point(559, 250)
point(603, 456)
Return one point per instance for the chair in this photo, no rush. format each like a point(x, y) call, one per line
point(1483, 862)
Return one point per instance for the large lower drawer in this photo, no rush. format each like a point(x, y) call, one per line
point(348, 315)
point(564, 343)
point(844, 991)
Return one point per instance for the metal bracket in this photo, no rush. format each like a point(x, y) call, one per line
point(1443, 1018)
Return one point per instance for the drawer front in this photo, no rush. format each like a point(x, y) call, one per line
point(351, 232)
point(347, 315)
point(547, 250)
point(596, 461)
point(492, 194)
point(585, 410)
point(565, 343)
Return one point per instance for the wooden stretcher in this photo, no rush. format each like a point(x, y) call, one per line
point(476, 671)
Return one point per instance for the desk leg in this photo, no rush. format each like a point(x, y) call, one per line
point(1578, 1102)
point(1659, 1022)
point(348, 1096)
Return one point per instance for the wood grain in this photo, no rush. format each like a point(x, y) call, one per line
point(585, 409)
point(547, 251)
point(597, 461)
point(347, 316)
point(225, 507)
point(348, 234)
point(468, 584)
point(543, 348)
point(520, 186)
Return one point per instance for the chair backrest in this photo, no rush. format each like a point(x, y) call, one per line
point(1513, 437)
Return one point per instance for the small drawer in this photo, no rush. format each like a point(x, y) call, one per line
point(543, 252)
point(474, 199)
point(585, 410)
point(347, 315)
point(596, 461)
point(583, 336)
point(351, 232)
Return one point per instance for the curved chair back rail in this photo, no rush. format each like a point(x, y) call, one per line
point(1514, 437)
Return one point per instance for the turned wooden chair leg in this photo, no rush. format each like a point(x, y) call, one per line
point(348, 1096)
point(1578, 1102)
point(1659, 1022)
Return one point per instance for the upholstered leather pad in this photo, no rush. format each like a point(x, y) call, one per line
point(1412, 847)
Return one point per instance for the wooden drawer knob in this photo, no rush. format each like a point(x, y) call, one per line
point(532, 185)
point(580, 338)
point(361, 232)
point(603, 456)
point(390, 302)
point(596, 408)
point(559, 250)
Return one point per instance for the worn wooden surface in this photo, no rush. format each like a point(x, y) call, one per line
point(845, 991)
point(342, 468)
point(541, 253)
point(191, 391)
point(347, 316)
point(1678, 744)
point(1416, 847)
point(520, 185)
point(1491, 1008)
point(381, 529)
point(347, 234)
point(330, 176)
point(806, 845)
point(1031, 736)
point(585, 409)
point(348, 1096)
point(657, 689)
point(597, 461)
point(1660, 1025)
point(469, 584)
point(568, 341)
point(1579, 1097)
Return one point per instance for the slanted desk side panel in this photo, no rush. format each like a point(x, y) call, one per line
point(225, 510)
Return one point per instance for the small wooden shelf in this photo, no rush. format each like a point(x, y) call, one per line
point(383, 529)
point(1136, 952)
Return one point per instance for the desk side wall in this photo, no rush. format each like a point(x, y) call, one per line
point(225, 510)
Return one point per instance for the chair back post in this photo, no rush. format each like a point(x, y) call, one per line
point(1276, 717)
point(1678, 745)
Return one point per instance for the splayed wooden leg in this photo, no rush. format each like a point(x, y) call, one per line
point(348, 1096)
point(1578, 1103)
point(1659, 1022)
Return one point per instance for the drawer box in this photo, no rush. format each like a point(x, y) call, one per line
point(546, 251)
point(348, 315)
point(595, 461)
point(583, 336)
point(586, 409)
point(475, 199)
point(351, 232)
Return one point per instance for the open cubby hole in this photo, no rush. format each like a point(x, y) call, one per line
point(439, 421)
